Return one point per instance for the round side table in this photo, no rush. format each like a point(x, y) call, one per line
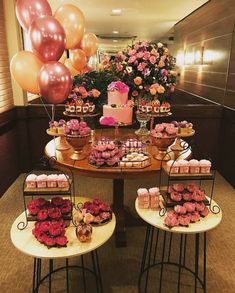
point(24, 241)
point(157, 234)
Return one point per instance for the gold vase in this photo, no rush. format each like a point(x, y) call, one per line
point(162, 144)
point(78, 142)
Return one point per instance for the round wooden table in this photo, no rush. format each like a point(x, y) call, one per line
point(25, 242)
point(117, 174)
point(156, 224)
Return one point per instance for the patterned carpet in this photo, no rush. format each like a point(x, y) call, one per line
point(120, 266)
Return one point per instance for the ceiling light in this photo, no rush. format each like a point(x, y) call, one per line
point(116, 11)
point(115, 32)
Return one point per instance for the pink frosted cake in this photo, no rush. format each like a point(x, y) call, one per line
point(154, 197)
point(172, 166)
point(42, 181)
point(62, 181)
point(52, 180)
point(118, 105)
point(31, 181)
point(143, 198)
point(184, 166)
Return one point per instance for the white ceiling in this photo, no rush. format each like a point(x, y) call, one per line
point(147, 20)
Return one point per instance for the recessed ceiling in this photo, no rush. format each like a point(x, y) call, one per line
point(144, 20)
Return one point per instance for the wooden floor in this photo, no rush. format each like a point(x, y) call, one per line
point(120, 266)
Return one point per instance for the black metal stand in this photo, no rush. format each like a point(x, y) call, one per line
point(95, 271)
point(152, 249)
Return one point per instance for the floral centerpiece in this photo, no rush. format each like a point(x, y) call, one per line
point(147, 68)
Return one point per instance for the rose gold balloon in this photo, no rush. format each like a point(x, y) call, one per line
point(29, 10)
point(25, 67)
point(78, 59)
point(55, 82)
point(89, 44)
point(47, 38)
point(72, 20)
point(69, 65)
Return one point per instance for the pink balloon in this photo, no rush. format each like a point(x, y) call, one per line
point(29, 10)
point(55, 82)
point(48, 38)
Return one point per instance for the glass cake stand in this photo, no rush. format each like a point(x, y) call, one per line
point(143, 119)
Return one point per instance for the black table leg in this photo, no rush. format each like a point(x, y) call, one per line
point(149, 258)
point(163, 252)
point(50, 273)
point(118, 208)
point(83, 273)
point(180, 259)
point(196, 261)
point(34, 275)
point(204, 265)
point(67, 274)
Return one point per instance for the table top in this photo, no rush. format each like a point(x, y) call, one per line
point(84, 169)
point(153, 218)
point(28, 244)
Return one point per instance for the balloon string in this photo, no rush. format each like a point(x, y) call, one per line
point(53, 113)
point(46, 109)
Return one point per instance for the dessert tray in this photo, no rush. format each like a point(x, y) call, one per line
point(87, 114)
point(140, 161)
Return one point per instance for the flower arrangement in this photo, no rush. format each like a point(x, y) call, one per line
point(164, 130)
point(50, 225)
point(80, 92)
point(76, 128)
point(147, 68)
point(118, 86)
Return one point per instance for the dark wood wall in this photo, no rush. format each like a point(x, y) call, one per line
point(212, 28)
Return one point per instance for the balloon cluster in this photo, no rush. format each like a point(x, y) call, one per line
point(46, 70)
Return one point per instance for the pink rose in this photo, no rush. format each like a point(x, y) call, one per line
point(104, 207)
point(184, 220)
point(152, 59)
point(141, 66)
point(190, 207)
point(204, 212)
point(132, 59)
point(136, 46)
point(180, 210)
point(132, 52)
point(33, 210)
point(45, 226)
point(146, 55)
point(140, 55)
point(57, 201)
point(119, 67)
point(41, 237)
point(171, 221)
point(83, 124)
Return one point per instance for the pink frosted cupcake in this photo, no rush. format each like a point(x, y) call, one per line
point(143, 198)
point(52, 180)
point(205, 166)
point(184, 166)
point(154, 191)
point(42, 181)
point(194, 166)
point(31, 181)
point(172, 167)
point(62, 181)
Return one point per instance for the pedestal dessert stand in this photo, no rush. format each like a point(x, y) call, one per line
point(62, 145)
point(143, 119)
point(177, 146)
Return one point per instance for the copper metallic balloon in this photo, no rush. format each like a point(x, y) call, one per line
point(73, 21)
point(47, 38)
point(78, 59)
point(29, 10)
point(25, 67)
point(55, 82)
point(89, 44)
point(69, 65)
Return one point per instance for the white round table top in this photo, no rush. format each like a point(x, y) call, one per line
point(25, 241)
point(153, 218)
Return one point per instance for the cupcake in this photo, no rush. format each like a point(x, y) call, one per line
point(184, 166)
point(42, 181)
point(154, 191)
point(31, 181)
point(72, 108)
point(205, 166)
point(91, 107)
point(143, 198)
point(53, 126)
point(194, 167)
point(52, 180)
point(172, 167)
point(62, 181)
